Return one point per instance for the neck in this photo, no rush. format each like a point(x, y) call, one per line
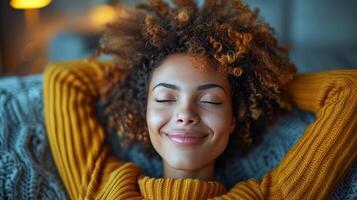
point(205, 174)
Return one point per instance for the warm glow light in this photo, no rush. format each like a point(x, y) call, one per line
point(29, 4)
point(103, 14)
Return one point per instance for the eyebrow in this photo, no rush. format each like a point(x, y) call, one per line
point(201, 87)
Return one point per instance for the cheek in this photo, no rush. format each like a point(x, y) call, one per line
point(155, 119)
point(218, 121)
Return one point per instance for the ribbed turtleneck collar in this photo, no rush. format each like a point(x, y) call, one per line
point(168, 188)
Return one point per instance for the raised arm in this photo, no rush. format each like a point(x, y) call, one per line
point(322, 156)
point(76, 138)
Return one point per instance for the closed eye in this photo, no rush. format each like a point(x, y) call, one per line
point(164, 100)
point(169, 100)
point(210, 102)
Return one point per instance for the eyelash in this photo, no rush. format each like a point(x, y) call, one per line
point(168, 101)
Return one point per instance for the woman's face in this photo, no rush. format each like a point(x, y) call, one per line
point(189, 112)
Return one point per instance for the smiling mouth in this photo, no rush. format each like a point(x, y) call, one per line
point(185, 139)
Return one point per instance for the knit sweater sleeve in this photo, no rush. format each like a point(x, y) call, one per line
point(326, 150)
point(77, 139)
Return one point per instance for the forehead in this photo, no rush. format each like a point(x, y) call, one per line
point(187, 70)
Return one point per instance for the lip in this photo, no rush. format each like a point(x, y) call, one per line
point(186, 138)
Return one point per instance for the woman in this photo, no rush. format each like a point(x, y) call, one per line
point(194, 82)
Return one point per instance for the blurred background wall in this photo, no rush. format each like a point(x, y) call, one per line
point(322, 34)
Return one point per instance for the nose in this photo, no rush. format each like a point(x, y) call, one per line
point(186, 116)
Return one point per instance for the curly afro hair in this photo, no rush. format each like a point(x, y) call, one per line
point(226, 32)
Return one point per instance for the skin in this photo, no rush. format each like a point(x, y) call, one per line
point(189, 99)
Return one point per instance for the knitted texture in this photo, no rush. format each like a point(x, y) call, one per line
point(28, 172)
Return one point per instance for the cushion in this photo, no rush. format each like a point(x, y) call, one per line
point(27, 170)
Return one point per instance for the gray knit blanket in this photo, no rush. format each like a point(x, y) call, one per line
point(27, 170)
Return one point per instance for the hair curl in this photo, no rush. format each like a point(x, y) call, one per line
point(226, 32)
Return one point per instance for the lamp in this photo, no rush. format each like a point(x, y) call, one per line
point(29, 4)
point(31, 11)
point(32, 16)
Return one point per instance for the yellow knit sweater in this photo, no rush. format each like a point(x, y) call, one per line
point(310, 170)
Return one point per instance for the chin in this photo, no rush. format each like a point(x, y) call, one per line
point(185, 164)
